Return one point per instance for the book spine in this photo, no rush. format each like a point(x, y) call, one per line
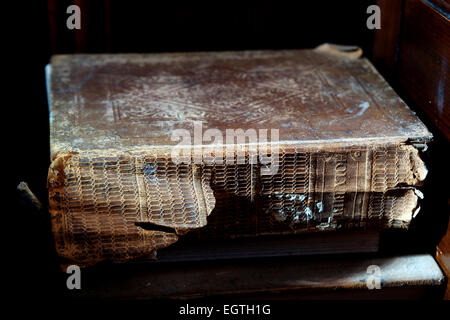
point(124, 205)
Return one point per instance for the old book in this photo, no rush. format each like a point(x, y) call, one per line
point(148, 147)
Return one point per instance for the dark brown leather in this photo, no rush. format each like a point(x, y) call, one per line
point(347, 149)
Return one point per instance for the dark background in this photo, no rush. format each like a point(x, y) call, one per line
point(37, 29)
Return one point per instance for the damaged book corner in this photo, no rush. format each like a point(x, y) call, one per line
point(150, 149)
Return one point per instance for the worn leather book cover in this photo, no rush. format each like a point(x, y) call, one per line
point(148, 147)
